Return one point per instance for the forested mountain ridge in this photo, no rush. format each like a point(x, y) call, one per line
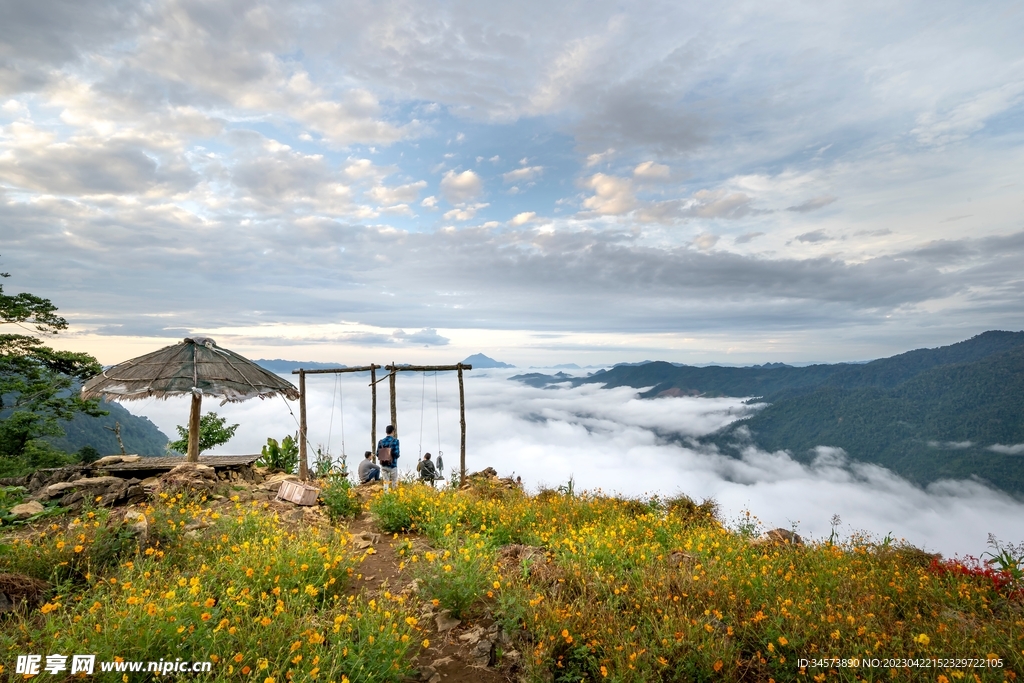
point(951, 412)
point(770, 382)
point(951, 421)
point(140, 436)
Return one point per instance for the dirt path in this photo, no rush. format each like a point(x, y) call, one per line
point(450, 656)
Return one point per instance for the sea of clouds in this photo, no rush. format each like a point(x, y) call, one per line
point(611, 440)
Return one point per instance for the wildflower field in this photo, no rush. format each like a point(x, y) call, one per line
point(587, 587)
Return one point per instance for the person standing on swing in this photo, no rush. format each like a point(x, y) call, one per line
point(387, 456)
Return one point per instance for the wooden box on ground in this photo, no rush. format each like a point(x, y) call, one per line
point(298, 493)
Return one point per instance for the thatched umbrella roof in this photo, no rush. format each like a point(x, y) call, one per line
point(193, 363)
point(195, 367)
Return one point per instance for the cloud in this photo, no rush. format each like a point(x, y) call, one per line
point(458, 188)
point(950, 445)
point(427, 336)
point(705, 241)
point(1016, 449)
point(812, 204)
point(609, 439)
point(398, 194)
point(88, 165)
point(968, 116)
point(748, 237)
point(651, 171)
point(719, 204)
point(813, 237)
point(522, 218)
point(464, 213)
point(613, 196)
point(599, 157)
point(521, 174)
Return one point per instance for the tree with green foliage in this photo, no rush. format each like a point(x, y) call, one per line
point(212, 432)
point(37, 383)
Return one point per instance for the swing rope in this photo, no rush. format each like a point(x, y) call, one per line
point(330, 425)
point(437, 412)
point(341, 397)
point(423, 394)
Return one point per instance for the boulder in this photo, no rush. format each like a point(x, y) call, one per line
point(445, 622)
point(96, 482)
point(26, 510)
point(55, 490)
point(191, 476)
point(138, 526)
point(781, 537)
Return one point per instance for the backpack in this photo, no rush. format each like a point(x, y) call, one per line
point(384, 455)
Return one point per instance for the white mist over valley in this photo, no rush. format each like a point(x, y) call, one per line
point(610, 439)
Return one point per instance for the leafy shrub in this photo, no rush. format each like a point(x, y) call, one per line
point(338, 497)
point(457, 579)
point(281, 457)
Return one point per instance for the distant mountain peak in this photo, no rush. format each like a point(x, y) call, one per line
point(479, 360)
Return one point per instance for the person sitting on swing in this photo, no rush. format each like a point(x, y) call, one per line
point(367, 470)
point(387, 455)
point(427, 470)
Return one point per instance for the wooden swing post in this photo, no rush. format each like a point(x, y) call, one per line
point(462, 401)
point(303, 463)
point(303, 466)
point(394, 405)
point(373, 411)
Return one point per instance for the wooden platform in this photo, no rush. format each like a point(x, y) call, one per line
point(169, 462)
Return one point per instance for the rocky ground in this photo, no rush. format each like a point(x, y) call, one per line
point(459, 651)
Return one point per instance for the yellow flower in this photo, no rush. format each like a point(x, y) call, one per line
point(210, 602)
point(922, 639)
point(265, 621)
point(205, 616)
point(79, 548)
point(426, 643)
point(783, 641)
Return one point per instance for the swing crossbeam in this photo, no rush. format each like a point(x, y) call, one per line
point(458, 367)
point(302, 372)
point(335, 371)
point(393, 371)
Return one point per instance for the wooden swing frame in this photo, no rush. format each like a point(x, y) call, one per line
point(393, 371)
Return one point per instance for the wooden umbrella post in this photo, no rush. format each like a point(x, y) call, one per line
point(462, 425)
point(373, 412)
point(193, 426)
point(303, 466)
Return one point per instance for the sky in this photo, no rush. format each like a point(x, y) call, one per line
point(609, 439)
point(542, 182)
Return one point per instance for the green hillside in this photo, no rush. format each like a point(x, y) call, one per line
point(939, 424)
point(139, 434)
point(775, 381)
point(927, 414)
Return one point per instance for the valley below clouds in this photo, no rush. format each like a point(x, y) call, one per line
point(610, 439)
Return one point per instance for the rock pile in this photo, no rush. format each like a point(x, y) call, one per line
point(100, 483)
point(488, 477)
point(101, 490)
